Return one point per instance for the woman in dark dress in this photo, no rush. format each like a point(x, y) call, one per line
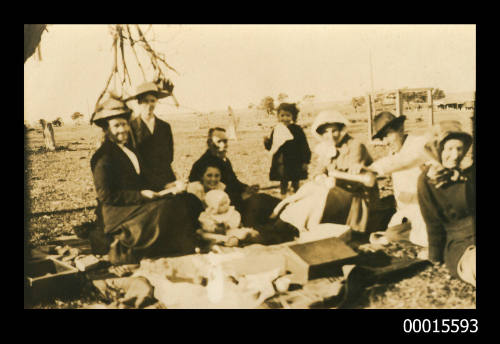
point(135, 218)
point(153, 138)
point(291, 153)
point(446, 194)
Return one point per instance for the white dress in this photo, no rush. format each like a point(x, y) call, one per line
point(404, 167)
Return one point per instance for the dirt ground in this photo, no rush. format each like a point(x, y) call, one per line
point(62, 195)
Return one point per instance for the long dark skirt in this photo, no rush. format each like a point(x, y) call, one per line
point(160, 228)
point(353, 208)
point(256, 209)
point(255, 212)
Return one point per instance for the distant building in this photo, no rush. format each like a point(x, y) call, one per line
point(457, 101)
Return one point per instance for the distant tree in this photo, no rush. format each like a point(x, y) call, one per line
point(438, 94)
point(76, 116)
point(251, 106)
point(357, 102)
point(281, 97)
point(308, 98)
point(58, 122)
point(267, 103)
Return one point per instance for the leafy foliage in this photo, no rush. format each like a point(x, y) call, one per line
point(438, 94)
point(267, 103)
point(357, 102)
point(76, 116)
point(281, 97)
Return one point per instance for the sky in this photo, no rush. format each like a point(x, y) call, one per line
point(234, 65)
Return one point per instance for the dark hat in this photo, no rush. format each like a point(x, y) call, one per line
point(443, 131)
point(148, 87)
point(110, 108)
point(383, 121)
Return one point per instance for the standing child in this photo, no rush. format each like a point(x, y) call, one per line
point(289, 147)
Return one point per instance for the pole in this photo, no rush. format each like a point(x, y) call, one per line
point(369, 111)
point(431, 111)
point(399, 111)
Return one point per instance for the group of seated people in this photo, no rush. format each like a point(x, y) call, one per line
point(143, 211)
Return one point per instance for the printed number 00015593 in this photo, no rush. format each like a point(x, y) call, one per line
point(440, 326)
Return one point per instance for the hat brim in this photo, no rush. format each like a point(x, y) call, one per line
point(466, 138)
point(395, 122)
point(101, 120)
point(157, 94)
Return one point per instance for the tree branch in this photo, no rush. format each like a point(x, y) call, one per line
point(132, 44)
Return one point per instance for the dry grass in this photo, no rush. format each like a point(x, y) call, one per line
point(62, 192)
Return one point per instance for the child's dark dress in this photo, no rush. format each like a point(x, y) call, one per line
point(288, 160)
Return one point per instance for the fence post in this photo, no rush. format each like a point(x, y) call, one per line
point(429, 100)
point(399, 110)
point(370, 119)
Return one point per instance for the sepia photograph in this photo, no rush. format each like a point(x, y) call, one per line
point(250, 166)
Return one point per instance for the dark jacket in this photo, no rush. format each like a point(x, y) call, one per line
point(144, 227)
point(449, 213)
point(156, 151)
point(288, 160)
point(234, 188)
point(117, 184)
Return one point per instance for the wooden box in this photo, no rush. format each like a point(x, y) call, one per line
point(51, 278)
point(316, 259)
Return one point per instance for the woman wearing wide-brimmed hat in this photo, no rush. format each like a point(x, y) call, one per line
point(406, 155)
point(446, 194)
point(137, 221)
point(344, 202)
point(153, 137)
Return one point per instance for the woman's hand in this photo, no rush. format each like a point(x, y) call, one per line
point(149, 194)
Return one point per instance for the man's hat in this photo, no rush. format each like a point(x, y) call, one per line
point(383, 121)
point(109, 109)
point(148, 87)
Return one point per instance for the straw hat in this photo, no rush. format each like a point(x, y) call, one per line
point(148, 87)
point(383, 121)
point(109, 109)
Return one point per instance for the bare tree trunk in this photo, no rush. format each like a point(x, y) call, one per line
point(48, 135)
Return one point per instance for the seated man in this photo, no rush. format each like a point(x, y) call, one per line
point(137, 221)
point(255, 208)
point(403, 165)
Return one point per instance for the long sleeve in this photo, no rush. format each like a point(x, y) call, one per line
point(411, 154)
point(268, 143)
point(170, 143)
point(305, 151)
point(233, 184)
point(430, 212)
point(352, 153)
point(104, 177)
point(194, 174)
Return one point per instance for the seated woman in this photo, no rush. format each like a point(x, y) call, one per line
point(329, 199)
point(446, 195)
point(138, 221)
point(219, 216)
point(208, 179)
